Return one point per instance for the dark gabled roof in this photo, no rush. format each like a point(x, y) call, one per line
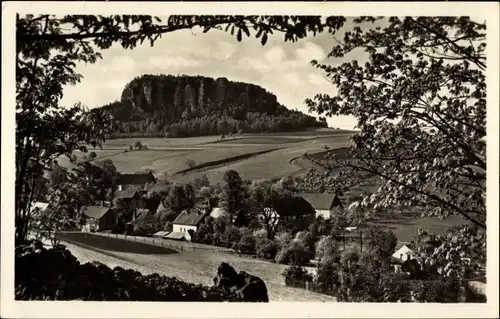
point(136, 179)
point(293, 206)
point(191, 217)
point(96, 212)
point(144, 217)
point(322, 201)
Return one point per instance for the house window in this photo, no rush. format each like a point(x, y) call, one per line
point(401, 256)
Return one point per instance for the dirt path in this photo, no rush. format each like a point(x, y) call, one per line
point(198, 267)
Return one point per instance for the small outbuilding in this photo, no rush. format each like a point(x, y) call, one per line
point(98, 218)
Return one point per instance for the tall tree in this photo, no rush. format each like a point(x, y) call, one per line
point(232, 198)
point(99, 180)
point(176, 199)
point(420, 105)
point(383, 243)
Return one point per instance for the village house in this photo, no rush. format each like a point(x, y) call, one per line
point(134, 180)
point(212, 206)
point(98, 218)
point(187, 221)
point(145, 222)
point(132, 199)
point(290, 214)
point(404, 252)
point(324, 204)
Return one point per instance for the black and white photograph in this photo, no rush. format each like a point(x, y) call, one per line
point(228, 157)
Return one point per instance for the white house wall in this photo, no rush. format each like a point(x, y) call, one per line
point(404, 253)
point(183, 228)
point(325, 213)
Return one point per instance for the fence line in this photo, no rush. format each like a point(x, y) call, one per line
point(166, 243)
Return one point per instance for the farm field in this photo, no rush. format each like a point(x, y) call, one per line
point(169, 156)
point(197, 267)
point(406, 226)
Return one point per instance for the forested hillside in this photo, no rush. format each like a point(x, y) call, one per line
point(178, 106)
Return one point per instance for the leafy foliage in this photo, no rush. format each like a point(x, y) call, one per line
point(421, 110)
point(296, 276)
point(383, 243)
point(457, 254)
point(232, 199)
point(327, 250)
point(265, 248)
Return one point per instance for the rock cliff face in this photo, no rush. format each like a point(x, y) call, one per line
point(172, 98)
point(167, 105)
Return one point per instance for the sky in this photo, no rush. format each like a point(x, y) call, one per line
point(282, 68)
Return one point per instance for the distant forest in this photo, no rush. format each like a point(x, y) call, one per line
point(182, 106)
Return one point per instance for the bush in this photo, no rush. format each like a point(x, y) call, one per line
point(138, 145)
point(191, 163)
point(327, 250)
point(231, 236)
point(350, 256)
point(283, 240)
point(295, 254)
point(383, 243)
point(92, 156)
point(327, 279)
point(307, 241)
point(296, 276)
point(246, 245)
point(265, 248)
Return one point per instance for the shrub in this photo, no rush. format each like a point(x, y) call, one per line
point(265, 248)
point(296, 276)
point(204, 234)
point(383, 243)
point(190, 163)
point(350, 256)
point(294, 254)
point(327, 279)
point(92, 156)
point(327, 250)
point(283, 240)
point(246, 245)
point(138, 145)
point(231, 236)
point(307, 241)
